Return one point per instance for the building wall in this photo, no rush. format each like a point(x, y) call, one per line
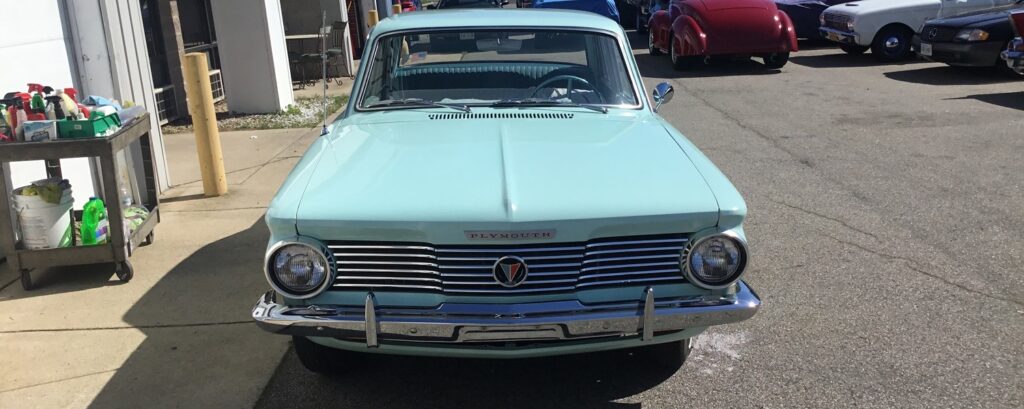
point(35, 50)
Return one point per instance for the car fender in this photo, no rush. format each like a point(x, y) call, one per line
point(787, 32)
point(660, 25)
point(690, 35)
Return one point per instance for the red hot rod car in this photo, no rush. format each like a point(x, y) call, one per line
point(691, 31)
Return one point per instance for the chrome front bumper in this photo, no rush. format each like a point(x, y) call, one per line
point(466, 323)
point(839, 36)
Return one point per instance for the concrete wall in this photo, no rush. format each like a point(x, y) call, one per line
point(253, 55)
point(35, 50)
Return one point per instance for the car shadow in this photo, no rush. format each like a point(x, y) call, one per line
point(194, 320)
point(593, 380)
point(1012, 100)
point(660, 67)
point(947, 75)
point(840, 59)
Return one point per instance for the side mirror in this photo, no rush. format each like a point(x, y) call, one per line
point(662, 94)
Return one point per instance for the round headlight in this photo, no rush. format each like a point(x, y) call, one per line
point(715, 261)
point(298, 270)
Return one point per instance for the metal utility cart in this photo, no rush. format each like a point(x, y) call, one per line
point(118, 248)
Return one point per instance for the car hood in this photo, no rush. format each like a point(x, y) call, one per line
point(420, 179)
point(980, 17)
point(714, 5)
point(875, 6)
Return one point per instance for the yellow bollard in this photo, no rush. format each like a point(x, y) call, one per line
point(396, 8)
point(204, 124)
point(371, 18)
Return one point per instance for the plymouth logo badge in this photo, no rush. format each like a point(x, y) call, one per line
point(510, 271)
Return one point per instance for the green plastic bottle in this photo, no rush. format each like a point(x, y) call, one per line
point(94, 222)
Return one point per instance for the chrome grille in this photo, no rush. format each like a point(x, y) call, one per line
point(836, 21)
point(467, 269)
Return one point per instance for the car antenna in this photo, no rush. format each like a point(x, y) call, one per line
point(323, 64)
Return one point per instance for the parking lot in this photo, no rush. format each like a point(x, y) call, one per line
point(885, 224)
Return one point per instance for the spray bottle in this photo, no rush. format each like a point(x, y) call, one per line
point(54, 108)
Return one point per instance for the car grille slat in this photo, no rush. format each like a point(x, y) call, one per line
point(467, 269)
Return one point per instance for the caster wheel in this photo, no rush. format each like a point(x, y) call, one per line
point(125, 272)
point(26, 281)
point(149, 238)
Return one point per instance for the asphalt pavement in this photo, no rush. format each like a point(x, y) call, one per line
point(885, 224)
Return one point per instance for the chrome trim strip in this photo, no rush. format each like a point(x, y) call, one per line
point(506, 290)
point(387, 270)
point(488, 268)
point(491, 275)
point(639, 250)
point(508, 250)
point(459, 323)
point(387, 263)
point(379, 246)
point(627, 281)
point(369, 278)
point(526, 282)
point(673, 256)
point(626, 243)
point(492, 258)
point(428, 287)
point(666, 263)
point(630, 273)
point(384, 255)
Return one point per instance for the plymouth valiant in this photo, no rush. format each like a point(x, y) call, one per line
point(517, 198)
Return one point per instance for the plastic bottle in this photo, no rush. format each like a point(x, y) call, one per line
point(94, 222)
point(126, 197)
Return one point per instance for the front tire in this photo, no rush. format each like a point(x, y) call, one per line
point(892, 44)
point(681, 62)
point(669, 355)
point(853, 49)
point(653, 49)
point(776, 60)
point(318, 358)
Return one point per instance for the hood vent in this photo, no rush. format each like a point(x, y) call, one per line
point(503, 115)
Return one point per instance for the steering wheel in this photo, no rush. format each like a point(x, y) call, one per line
point(569, 88)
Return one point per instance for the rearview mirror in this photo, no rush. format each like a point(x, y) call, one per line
point(662, 93)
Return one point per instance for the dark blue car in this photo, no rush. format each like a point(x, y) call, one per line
point(603, 7)
point(804, 14)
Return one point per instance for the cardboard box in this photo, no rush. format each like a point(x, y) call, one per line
point(36, 131)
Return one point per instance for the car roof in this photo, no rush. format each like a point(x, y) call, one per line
point(497, 17)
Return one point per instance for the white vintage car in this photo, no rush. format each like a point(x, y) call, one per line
point(887, 27)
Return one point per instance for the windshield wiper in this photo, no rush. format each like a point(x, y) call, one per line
point(538, 102)
point(416, 102)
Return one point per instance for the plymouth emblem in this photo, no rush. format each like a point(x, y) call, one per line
point(510, 271)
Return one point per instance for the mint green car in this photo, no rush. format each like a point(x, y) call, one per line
point(499, 186)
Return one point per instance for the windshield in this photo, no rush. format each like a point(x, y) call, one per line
point(490, 68)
